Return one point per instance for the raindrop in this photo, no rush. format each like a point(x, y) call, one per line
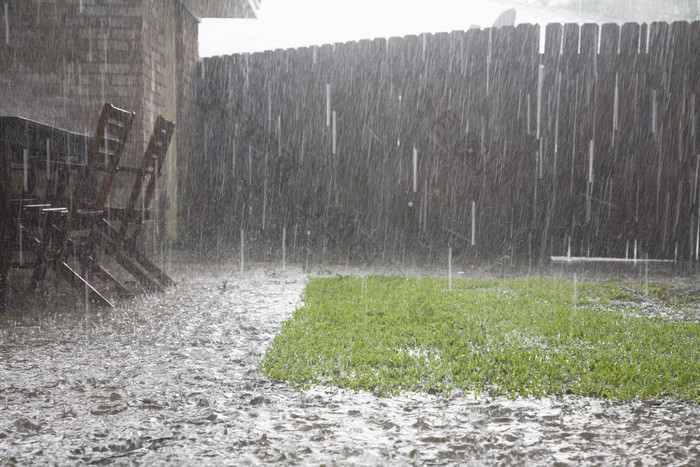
point(540, 84)
point(233, 162)
point(449, 268)
point(616, 107)
point(539, 159)
point(575, 297)
point(697, 238)
point(556, 119)
point(303, 141)
point(250, 165)
point(328, 104)
point(279, 136)
point(473, 223)
point(269, 108)
point(87, 295)
point(529, 128)
point(675, 253)
point(483, 142)
point(693, 118)
point(646, 275)
point(653, 111)
point(334, 133)
point(7, 26)
point(424, 217)
point(264, 194)
point(294, 242)
point(48, 159)
point(19, 237)
point(488, 61)
point(106, 145)
point(242, 248)
point(284, 246)
point(589, 191)
point(308, 247)
point(25, 166)
point(590, 161)
point(156, 208)
point(415, 169)
point(143, 202)
point(678, 205)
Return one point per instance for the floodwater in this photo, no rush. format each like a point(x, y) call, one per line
point(172, 379)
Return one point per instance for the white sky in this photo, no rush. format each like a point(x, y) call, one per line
point(297, 23)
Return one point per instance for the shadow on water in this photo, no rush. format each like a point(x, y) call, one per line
point(172, 378)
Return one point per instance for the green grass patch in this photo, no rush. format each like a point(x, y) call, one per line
point(515, 337)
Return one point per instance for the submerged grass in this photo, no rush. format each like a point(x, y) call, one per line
point(516, 337)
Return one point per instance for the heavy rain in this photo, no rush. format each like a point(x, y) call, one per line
point(162, 213)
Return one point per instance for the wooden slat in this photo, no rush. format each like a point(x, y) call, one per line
point(621, 184)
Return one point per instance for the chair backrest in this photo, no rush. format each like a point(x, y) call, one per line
point(151, 166)
point(103, 156)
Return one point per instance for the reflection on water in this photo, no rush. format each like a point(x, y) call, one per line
point(172, 378)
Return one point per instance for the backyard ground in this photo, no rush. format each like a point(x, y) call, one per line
point(175, 378)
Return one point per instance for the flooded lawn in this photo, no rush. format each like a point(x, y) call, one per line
point(173, 379)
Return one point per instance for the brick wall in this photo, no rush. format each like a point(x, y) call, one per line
point(169, 30)
point(153, 62)
point(60, 60)
point(186, 137)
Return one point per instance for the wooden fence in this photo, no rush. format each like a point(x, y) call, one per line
point(471, 139)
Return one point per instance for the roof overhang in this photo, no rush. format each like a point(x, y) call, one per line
point(223, 8)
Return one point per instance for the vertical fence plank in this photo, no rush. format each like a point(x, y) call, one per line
point(544, 166)
point(621, 190)
point(567, 167)
point(678, 63)
point(602, 151)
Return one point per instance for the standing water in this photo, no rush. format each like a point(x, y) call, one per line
point(173, 378)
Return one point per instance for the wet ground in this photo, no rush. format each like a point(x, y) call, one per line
point(172, 379)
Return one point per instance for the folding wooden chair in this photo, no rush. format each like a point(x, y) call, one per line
point(122, 243)
point(76, 226)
